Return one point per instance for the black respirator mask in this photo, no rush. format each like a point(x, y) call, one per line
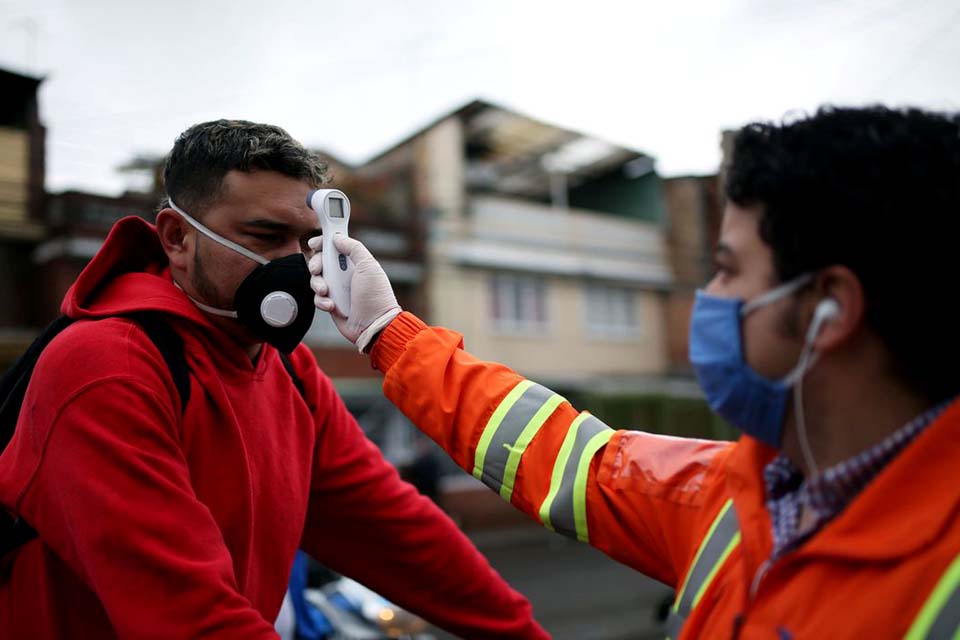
point(275, 301)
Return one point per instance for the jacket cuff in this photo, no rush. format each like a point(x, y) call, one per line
point(394, 339)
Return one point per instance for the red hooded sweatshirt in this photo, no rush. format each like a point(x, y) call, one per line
point(157, 525)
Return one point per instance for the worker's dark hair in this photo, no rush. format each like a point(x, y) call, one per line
point(206, 152)
point(877, 190)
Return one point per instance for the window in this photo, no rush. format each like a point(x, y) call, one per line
point(611, 312)
point(518, 303)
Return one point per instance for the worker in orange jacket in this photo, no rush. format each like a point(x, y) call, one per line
point(825, 336)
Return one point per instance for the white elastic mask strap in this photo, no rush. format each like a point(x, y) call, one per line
point(776, 293)
point(216, 237)
point(223, 313)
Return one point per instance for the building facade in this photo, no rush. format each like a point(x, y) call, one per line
point(545, 247)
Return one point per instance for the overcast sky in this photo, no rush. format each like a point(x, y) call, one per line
point(353, 77)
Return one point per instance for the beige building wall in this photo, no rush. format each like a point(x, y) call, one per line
point(565, 349)
point(502, 236)
point(14, 174)
point(471, 239)
point(441, 165)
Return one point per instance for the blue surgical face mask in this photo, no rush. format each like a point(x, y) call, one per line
point(737, 393)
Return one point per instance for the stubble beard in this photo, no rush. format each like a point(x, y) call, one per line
point(204, 285)
point(207, 289)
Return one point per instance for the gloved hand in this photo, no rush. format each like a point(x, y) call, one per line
point(372, 302)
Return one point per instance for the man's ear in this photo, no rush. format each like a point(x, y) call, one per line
point(843, 286)
point(174, 238)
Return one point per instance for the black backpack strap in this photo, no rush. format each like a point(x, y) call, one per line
point(297, 382)
point(170, 346)
point(15, 531)
point(13, 387)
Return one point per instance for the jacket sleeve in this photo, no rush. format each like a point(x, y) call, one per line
point(638, 497)
point(365, 522)
point(97, 469)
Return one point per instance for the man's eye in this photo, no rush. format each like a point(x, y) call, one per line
point(722, 272)
point(265, 237)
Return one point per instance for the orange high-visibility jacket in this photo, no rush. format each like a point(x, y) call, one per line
point(691, 513)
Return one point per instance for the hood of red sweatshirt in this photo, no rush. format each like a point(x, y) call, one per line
point(130, 274)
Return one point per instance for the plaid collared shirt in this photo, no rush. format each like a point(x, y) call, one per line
point(827, 495)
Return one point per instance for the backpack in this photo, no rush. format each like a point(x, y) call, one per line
point(14, 531)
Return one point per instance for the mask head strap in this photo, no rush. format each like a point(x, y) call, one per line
point(216, 237)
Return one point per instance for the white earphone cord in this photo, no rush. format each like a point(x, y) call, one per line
point(807, 359)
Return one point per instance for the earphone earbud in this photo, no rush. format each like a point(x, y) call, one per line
point(827, 309)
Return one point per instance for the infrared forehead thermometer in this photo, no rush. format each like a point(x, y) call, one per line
point(333, 211)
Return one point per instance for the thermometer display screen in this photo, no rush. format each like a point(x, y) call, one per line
point(336, 207)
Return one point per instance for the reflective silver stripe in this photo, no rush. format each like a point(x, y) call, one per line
point(939, 617)
point(531, 410)
point(723, 536)
point(559, 510)
point(947, 624)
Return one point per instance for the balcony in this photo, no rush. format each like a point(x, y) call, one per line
point(516, 235)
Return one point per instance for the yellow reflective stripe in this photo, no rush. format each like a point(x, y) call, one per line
point(716, 567)
point(716, 547)
point(523, 440)
point(934, 605)
point(580, 485)
point(556, 478)
point(703, 545)
point(563, 509)
point(494, 423)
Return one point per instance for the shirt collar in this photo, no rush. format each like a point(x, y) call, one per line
point(828, 494)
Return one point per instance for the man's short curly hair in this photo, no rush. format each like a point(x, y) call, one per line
point(877, 190)
point(203, 154)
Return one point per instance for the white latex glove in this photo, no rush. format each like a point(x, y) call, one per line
point(372, 302)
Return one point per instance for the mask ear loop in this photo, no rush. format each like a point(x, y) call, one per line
point(223, 313)
point(776, 293)
point(216, 237)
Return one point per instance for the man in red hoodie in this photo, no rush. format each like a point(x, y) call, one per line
point(162, 521)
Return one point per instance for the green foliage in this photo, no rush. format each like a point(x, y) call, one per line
point(686, 417)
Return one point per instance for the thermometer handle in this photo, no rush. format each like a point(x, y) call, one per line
point(333, 213)
point(337, 272)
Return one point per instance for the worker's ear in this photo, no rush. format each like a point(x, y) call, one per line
point(175, 237)
point(845, 314)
